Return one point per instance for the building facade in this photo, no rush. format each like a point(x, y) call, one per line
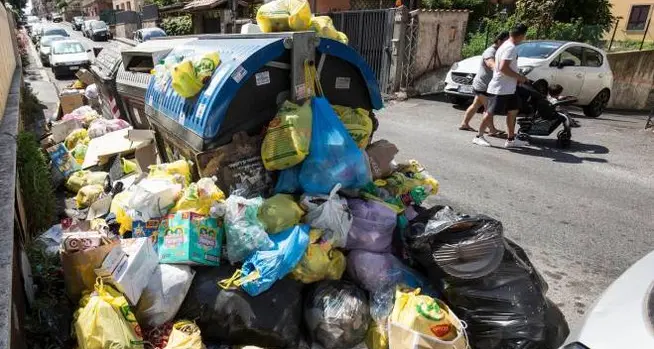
point(93, 8)
point(128, 5)
point(633, 18)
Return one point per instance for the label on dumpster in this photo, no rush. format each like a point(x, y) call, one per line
point(342, 83)
point(239, 74)
point(263, 78)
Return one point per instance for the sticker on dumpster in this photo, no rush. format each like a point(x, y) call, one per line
point(200, 110)
point(182, 117)
point(263, 78)
point(300, 91)
point(239, 74)
point(342, 83)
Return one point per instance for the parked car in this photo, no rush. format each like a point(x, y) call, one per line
point(626, 306)
point(98, 30)
point(582, 70)
point(78, 22)
point(49, 31)
point(37, 32)
point(86, 26)
point(56, 18)
point(146, 34)
point(45, 45)
point(31, 21)
point(67, 57)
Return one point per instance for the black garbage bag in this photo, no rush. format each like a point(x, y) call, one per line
point(270, 320)
point(336, 314)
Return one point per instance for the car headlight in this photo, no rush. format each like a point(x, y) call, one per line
point(575, 345)
point(455, 66)
point(526, 70)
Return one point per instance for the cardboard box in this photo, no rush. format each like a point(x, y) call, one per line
point(82, 240)
point(121, 142)
point(61, 129)
point(85, 76)
point(130, 267)
point(70, 100)
point(190, 238)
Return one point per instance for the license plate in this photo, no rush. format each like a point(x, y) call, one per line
point(73, 67)
point(465, 89)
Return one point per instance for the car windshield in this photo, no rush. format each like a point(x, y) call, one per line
point(55, 31)
point(153, 34)
point(98, 25)
point(538, 49)
point(64, 48)
point(48, 40)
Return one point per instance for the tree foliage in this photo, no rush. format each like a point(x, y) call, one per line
point(180, 25)
point(543, 13)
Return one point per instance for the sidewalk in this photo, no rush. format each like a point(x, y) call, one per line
point(36, 77)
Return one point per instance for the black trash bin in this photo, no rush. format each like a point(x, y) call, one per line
point(104, 70)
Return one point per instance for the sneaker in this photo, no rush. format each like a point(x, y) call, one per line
point(480, 140)
point(515, 143)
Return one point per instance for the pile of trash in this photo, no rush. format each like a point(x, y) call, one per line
point(333, 250)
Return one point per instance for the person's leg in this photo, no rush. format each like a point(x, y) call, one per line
point(485, 122)
point(510, 123)
point(471, 111)
point(511, 115)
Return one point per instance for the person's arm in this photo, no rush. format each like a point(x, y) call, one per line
point(490, 63)
point(505, 68)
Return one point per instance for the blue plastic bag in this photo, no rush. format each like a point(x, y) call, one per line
point(333, 156)
point(287, 181)
point(262, 268)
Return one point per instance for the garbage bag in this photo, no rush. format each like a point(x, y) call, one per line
point(288, 180)
point(263, 268)
point(372, 226)
point(83, 178)
point(152, 198)
point(333, 156)
point(230, 316)
point(190, 75)
point(245, 233)
point(330, 213)
point(100, 127)
point(198, 197)
point(420, 321)
point(324, 27)
point(119, 205)
point(377, 335)
point(321, 260)
point(279, 213)
point(77, 136)
point(179, 168)
point(185, 335)
point(288, 137)
point(88, 195)
point(105, 320)
point(356, 120)
point(284, 15)
point(164, 294)
point(91, 91)
point(336, 314)
point(79, 152)
point(381, 154)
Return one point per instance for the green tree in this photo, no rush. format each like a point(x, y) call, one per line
point(590, 12)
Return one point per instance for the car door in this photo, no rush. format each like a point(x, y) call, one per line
point(571, 78)
point(593, 63)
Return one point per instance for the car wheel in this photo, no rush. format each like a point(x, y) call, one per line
point(541, 86)
point(598, 104)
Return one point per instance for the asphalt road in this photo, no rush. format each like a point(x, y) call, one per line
point(584, 214)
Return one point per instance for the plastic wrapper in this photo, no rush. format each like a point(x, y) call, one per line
point(91, 91)
point(199, 197)
point(284, 15)
point(336, 314)
point(333, 155)
point(321, 260)
point(164, 294)
point(288, 181)
point(324, 27)
point(51, 239)
point(377, 335)
point(381, 154)
point(105, 320)
point(152, 198)
point(79, 152)
point(356, 120)
point(85, 114)
point(190, 75)
point(79, 136)
point(288, 137)
point(372, 226)
point(185, 335)
point(83, 178)
point(88, 195)
point(179, 168)
point(100, 127)
point(245, 233)
point(230, 316)
point(330, 213)
point(118, 207)
point(62, 160)
point(262, 269)
point(279, 213)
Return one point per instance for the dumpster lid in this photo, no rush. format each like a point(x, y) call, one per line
point(156, 49)
point(106, 63)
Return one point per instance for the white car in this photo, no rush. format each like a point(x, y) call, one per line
point(45, 44)
point(67, 57)
point(581, 69)
point(623, 317)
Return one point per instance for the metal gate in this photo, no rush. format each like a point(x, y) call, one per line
point(370, 33)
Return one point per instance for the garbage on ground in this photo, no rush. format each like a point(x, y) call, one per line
point(279, 213)
point(185, 335)
point(372, 228)
point(190, 238)
point(320, 261)
point(70, 100)
point(100, 127)
point(245, 233)
point(63, 160)
point(330, 213)
point(357, 121)
point(199, 197)
point(381, 154)
point(163, 294)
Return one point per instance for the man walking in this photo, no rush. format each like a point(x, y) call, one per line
point(502, 89)
point(480, 85)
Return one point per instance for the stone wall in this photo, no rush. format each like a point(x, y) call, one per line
point(633, 80)
point(125, 30)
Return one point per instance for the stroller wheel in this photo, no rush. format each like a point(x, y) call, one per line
point(564, 139)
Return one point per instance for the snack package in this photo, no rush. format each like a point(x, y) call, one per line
point(199, 197)
point(288, 137)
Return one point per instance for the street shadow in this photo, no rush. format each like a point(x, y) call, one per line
point(577, 152)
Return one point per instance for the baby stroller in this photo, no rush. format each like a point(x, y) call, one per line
point(539, 117)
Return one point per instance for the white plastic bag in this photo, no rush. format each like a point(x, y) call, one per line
point(52, 239)
point(245, 233)
point(152, 198)
point(91, 91)
point(164, 294)
point(330, 213)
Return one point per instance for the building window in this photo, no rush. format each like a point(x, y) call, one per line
point(638, 17)
point(129, 6)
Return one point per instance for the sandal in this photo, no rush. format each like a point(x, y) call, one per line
point(467, 128)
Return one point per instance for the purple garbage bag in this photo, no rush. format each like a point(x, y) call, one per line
point(372, 226)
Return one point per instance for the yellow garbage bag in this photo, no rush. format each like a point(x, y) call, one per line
point(79, 135)
point(190, 75)
point(88, 195)
point(288, 137)
point(284, 15)
point(377, 335)
point(79, 152)
point(358, 123)
point(320, 261)
point(199, 197)
point(83, 178)
point(105, 320)
point(179, 169)
point(324, 27)
point(119, 208)
point(185, 335)
point(279, 213)
point(419, 321)
point(418, 174)
point(129, 166)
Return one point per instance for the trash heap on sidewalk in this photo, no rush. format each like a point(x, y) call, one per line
point(332, 248)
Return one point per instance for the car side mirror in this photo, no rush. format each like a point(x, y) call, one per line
point(566, 63)
point(89, 50)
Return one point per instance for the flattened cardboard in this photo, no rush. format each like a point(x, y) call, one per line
point(70, 102)
point(85, 76)
point(101, 149)
point(61, 129)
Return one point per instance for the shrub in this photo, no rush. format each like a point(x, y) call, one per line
point(30, 108)
point(180, 25)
